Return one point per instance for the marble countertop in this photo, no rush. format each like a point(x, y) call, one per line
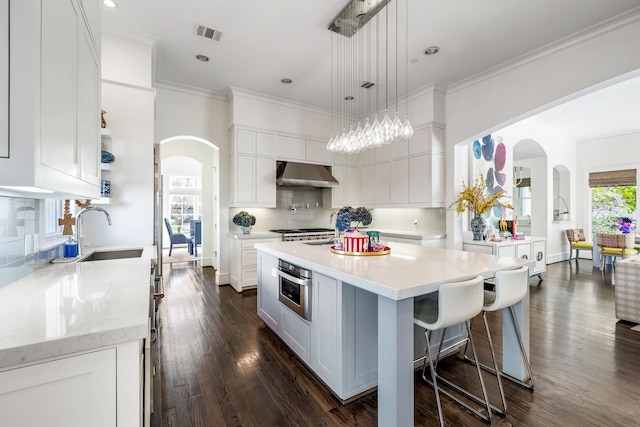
point(255, 235)
point(71, 307)
point(408, 271)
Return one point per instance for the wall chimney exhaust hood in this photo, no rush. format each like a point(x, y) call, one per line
point(291, 174)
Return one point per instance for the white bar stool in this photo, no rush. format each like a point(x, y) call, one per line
point(458, 302)
point(511, 287)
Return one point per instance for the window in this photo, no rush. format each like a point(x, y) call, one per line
point(185, 201)
point(613, 195)
point(53, 210)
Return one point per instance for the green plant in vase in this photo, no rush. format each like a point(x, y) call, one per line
point(245, 221)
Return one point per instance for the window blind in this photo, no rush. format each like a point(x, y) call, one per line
point(618, 178)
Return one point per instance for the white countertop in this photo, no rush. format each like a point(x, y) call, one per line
point(409, 271)
point(255, 235)
point(66, 308)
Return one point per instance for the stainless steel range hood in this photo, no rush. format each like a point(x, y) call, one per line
point(291, 174)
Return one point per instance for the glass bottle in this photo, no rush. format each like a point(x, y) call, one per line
point(70, 248)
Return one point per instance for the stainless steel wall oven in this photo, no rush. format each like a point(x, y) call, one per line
point(294, 290)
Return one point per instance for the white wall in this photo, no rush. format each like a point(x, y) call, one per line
point(188, 114)
point(491, 102)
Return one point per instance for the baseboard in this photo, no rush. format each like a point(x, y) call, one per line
point(223, 278)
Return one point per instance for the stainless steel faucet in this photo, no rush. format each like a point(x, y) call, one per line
point(79, 221)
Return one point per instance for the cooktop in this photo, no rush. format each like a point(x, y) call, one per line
point(303, 230)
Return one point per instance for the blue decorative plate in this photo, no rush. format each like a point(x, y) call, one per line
point(107, 157)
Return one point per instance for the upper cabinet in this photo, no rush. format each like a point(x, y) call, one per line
point(54, 108)
point(405, 173)
point(253, 169)
point(302, 150)
point(4, 78)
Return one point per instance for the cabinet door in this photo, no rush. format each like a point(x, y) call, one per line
point(74, 391)
point(368, 185)
point(420, 142)
point(524, 250)
point(382, 183)
point(353, 186)
point(540, 256)
point(58, 91)
point(288, 148)
point(269, 308)
point(507, 250)
point(339, 193)
point(327, 324)
point(296, 333)
point(317, 153)
point(88, 112)
point(246, 179)
point(266, 182)
point(419, 179)
point(399, 185)
point(264, 144)
point(245, 141)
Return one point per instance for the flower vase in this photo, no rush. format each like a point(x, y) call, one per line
point(478, 226)
point(245, 230)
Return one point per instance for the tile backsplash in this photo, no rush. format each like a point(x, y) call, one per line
point(20, 227)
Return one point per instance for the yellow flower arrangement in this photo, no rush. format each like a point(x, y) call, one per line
point(476, 199)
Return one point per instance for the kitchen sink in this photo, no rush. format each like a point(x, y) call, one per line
point(116, 254)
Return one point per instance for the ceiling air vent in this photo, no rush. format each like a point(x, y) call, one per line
point(208, 33)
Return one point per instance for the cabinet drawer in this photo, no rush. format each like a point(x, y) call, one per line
point(480, 249)
point(249, 257)
point(249, 277)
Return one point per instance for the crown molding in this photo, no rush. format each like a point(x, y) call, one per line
point(554, 47)
point(235, 91)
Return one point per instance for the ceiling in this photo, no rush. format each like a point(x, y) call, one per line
point(265, 41)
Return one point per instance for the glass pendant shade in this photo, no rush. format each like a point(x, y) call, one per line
point(396, 128)
point(407, 129)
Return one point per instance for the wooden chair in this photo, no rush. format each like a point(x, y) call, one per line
point(615, 245)
point(577, 242)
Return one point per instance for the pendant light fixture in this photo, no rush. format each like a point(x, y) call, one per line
point(355, 123)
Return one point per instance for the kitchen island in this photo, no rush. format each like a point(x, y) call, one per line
point(392, 281)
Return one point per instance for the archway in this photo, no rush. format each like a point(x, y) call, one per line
point(207, 154)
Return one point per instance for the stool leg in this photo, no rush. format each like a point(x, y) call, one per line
point(434, 381)
point(495, 367)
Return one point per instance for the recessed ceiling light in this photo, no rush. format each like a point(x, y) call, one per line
point(110, 3)
point(431, 50)
point(286, 81)
point(348, 98)
point(203, 58)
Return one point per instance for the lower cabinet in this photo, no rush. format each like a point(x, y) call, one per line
point(340, 343)
point(534, 248)
point(96, 389)
point(244, 261)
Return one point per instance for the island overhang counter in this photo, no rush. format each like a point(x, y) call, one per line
point(409, 271)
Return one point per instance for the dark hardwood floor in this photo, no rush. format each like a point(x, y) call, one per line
point(220, 365)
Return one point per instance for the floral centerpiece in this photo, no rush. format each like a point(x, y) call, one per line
point(479, 199)
point(245, 221)
point(348, 215)
point(625, 224)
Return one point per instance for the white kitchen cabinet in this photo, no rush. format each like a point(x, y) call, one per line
point(347, 193)
point(243, 265)
point(54, 123)
point(532, 248)
point(296, 333)
point(406, 173)
point(95, 389)
point(253, 169)
point(269, 308)
point(345, 159)
point(302, 150)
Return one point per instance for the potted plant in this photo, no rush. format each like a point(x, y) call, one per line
point(478, 200)
point(245, 221)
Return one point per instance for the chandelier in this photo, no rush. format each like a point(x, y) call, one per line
point(357, 58)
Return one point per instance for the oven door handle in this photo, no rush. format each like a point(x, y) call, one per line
point(296, 280)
